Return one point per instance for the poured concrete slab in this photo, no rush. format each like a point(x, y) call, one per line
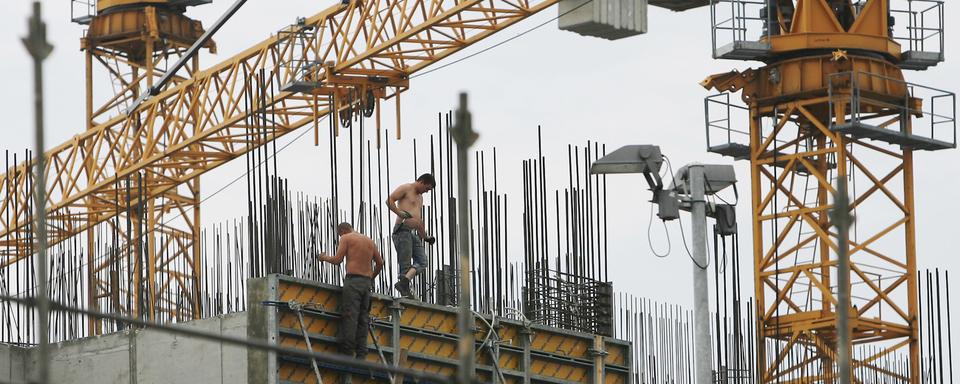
point(142, 357)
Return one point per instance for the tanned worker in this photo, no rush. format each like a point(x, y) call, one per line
point(364, 263)
point(406, 202)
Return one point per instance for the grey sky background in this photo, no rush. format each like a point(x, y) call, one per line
point(642, 89)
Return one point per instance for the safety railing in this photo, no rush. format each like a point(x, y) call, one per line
point(895, 111)
point(918, 26)
point(300, 64)
point(740, 29)
point(723, 138)
point(82, 11)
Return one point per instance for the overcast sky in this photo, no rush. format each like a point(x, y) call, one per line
point(642, 89)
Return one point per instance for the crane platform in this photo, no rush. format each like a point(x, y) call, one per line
point(860, 130)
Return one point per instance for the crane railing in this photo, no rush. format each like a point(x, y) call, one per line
point(82, 11)
point(895, 111)
point(741, 29)
point(919, 28)
point(727, 126)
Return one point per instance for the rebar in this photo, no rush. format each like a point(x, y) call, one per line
point(561, 279)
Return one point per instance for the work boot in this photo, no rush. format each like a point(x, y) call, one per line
point(403, 287)
point(409, 294)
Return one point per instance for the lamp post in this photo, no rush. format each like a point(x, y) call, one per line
point(692, 184)
point(701, 285)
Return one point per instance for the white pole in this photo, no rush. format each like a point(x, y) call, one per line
point(701, 286)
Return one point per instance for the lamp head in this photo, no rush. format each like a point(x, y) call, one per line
point(716, 177)
point(630, 159)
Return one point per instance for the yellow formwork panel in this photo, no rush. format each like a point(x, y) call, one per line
point(562, 344)
point(565, 372)
point(427, 334)
point(617, 355)
point(613, 378)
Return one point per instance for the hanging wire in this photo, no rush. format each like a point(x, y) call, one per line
point(683, 236)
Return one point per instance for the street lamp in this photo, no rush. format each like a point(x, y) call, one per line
point(645, 159)
point(691, 186)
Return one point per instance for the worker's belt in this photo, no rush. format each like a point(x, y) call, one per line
point(355, 276)
point(402, 226)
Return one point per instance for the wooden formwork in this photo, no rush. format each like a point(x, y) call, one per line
point(422, 337)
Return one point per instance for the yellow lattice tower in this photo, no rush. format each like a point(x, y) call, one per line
point(131, 42)
point(830, 103)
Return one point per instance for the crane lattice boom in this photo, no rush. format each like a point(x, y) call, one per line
point(203, 122)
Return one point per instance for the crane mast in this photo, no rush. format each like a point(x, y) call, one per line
point(831, 104)
point(155, 240)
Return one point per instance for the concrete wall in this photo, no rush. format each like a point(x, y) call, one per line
point(144, 357)
point(13, 364)
point(165, 358)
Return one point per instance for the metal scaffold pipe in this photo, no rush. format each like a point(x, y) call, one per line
point(464, 136)
point(842, 220)
point(36, 43)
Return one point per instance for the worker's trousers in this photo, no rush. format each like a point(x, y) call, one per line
point(355, 315)
point(410, 251)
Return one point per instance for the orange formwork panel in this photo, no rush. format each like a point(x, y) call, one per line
point(423, 337)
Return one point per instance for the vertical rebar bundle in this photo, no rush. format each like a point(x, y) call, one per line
point(561, 279)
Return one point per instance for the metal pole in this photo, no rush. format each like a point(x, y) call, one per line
point(36, 43)
point(464, 135)
point(842, 220)
point(701, 286)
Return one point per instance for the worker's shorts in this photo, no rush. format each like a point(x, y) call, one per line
point(409, 248)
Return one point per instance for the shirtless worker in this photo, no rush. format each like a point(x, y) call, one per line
point(360, 253)
point(406, 202)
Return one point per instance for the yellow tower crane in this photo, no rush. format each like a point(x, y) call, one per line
point(831, 104)
point(133, 42)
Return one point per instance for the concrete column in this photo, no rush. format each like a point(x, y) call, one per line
point(261, 325)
